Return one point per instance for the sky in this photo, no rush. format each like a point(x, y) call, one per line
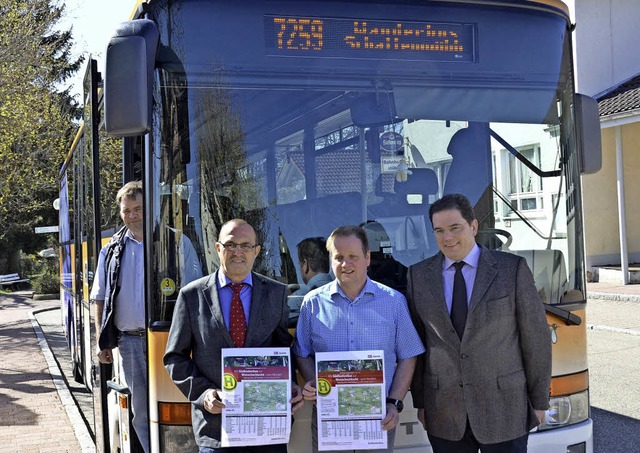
point(93, 23)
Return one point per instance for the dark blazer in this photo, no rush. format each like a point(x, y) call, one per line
point(112, 252)
point(501, 370)
point(198, 333)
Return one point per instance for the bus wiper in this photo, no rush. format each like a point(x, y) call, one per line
point(569, 318)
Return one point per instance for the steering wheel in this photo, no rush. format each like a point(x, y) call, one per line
point(487, 237)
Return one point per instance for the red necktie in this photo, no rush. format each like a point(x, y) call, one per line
point(237, 321)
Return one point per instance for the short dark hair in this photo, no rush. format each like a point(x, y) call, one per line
point(453, 201)
point(346, 231)
point(129, 191)
point(314, 250)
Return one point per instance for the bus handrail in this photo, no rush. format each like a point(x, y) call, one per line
point(521, 158)
point(522, 217)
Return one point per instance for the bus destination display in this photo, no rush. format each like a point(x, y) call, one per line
point(365, 38)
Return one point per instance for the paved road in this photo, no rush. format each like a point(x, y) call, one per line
point(49, 322)
point(614, 433)
point(614, 365)
point(616, 314)
point(32, 416)
point(614, 374)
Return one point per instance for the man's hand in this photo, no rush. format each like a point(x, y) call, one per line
point(309, 391)
point(296, 398)
point(421, 417)
point(212, 402)
point(105, 355)
point(392, 418)
point(541, 416)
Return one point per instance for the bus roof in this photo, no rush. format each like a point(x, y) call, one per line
point(556, 4)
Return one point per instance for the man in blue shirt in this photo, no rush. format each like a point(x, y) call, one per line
point(354, 313)
point(314, 264)
point(119, 282)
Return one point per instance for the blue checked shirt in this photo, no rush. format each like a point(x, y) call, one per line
point(377, 319)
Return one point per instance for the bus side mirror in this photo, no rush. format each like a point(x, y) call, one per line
point(588, 130)
point(129, 78)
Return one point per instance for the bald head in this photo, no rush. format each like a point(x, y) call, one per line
point(237, 249)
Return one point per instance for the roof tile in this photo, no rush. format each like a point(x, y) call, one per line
point(620, 98)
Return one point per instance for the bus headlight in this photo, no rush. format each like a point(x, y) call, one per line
point(176, 432)
point(566, 410)
point(175, 439)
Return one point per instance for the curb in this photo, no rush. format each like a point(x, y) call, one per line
point(77, 422)
point(614, 296)
point(614, 329)
point(35, 296)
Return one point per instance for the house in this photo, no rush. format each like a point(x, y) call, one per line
point(608, 69)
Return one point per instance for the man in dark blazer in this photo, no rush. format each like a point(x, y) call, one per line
point(484, 381)
point(203, 323)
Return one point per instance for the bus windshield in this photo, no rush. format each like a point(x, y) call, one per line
point(301, 120)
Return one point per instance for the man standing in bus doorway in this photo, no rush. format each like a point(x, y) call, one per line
point(118, 296)
point(378, 319)
point(232, 307)
point(484, 380)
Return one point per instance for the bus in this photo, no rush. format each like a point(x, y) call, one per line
point(303, 116)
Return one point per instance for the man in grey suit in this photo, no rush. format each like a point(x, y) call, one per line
point(484, 381)
point(205, 320)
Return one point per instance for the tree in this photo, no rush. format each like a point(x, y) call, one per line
point(36, 119)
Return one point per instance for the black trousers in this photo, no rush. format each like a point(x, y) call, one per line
point(469, 444)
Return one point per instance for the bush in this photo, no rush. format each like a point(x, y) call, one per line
point(31, 264)
point(46, 283)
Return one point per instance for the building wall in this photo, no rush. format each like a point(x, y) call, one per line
point(602, 239)
point(605, 42)
point(605, 54)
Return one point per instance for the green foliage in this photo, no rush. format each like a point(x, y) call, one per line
point(46, 283)
point(36, 113)
point(32, 264)
point(44, 272)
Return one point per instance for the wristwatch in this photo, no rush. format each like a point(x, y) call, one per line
point(397, 403)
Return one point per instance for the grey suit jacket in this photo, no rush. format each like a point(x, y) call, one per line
point(501, 370)
point(198, 333)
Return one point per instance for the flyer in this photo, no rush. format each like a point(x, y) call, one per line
point(351, 401)
point(256, 392)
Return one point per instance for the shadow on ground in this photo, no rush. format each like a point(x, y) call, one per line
point(49, 321)
point(615, 433)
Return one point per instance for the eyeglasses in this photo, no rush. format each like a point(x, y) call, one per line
point(232, 246)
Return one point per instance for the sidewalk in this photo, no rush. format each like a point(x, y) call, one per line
point(614, 291)
point(614, 307)
point(32, 416)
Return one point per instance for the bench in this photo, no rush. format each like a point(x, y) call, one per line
point(12, 281)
